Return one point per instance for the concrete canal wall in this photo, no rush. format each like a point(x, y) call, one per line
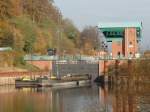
point(8, 78)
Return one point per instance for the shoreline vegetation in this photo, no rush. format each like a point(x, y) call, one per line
point(134, 71)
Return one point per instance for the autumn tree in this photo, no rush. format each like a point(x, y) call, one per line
point(40, 9)
point(17, 7)
point(6, 35)
point(5, 9)
point(71, 31)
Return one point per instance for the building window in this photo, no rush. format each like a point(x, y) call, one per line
point(119, 54)
point(130, 43)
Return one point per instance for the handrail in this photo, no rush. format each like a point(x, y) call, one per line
point(80, 58)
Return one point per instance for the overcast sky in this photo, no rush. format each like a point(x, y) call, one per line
point(91, 12)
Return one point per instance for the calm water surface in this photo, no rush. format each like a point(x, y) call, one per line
point(85, 99)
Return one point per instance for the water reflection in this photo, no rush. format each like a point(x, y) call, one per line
point(135, 98)
point(47, 99)
point(85, 99)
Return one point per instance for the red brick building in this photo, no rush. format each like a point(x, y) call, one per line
point(124, 38)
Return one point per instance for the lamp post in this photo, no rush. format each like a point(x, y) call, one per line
point(58, 43)
point(58, 32)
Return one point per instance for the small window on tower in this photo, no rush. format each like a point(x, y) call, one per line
point(118, 43)
point(119, 53)
point(131, 55)
point(130, 43)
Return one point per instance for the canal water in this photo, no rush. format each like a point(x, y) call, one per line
point(84, 99)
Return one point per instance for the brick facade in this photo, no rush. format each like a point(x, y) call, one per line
point(128, 47)
point(131, 45)
point(117, 49)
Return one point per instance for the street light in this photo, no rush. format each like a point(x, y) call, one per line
point(58, 43)
point(58, 32)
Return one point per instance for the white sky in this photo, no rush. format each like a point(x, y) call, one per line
point(91, 12)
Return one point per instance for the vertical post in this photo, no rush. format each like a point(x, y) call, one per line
point(57, 67)
point(105, 71)
point(116, 70)
point(130, 70)
point(129, 63)
point(104, 67)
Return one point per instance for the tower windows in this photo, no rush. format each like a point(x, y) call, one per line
point(130, 44)
point(119, 54)
point(130, 53)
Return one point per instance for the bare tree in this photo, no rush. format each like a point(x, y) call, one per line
point(90, 38)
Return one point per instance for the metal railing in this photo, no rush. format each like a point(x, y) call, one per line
point(80, 58)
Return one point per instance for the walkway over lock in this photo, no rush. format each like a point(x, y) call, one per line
point(92, 59)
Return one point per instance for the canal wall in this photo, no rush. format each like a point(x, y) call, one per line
point(8, 78)
point(104, 65)
point(109, 71)
point(42, 64)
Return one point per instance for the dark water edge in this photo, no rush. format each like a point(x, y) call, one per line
point(85, 99)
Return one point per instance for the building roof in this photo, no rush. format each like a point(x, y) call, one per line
point(120, 25)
